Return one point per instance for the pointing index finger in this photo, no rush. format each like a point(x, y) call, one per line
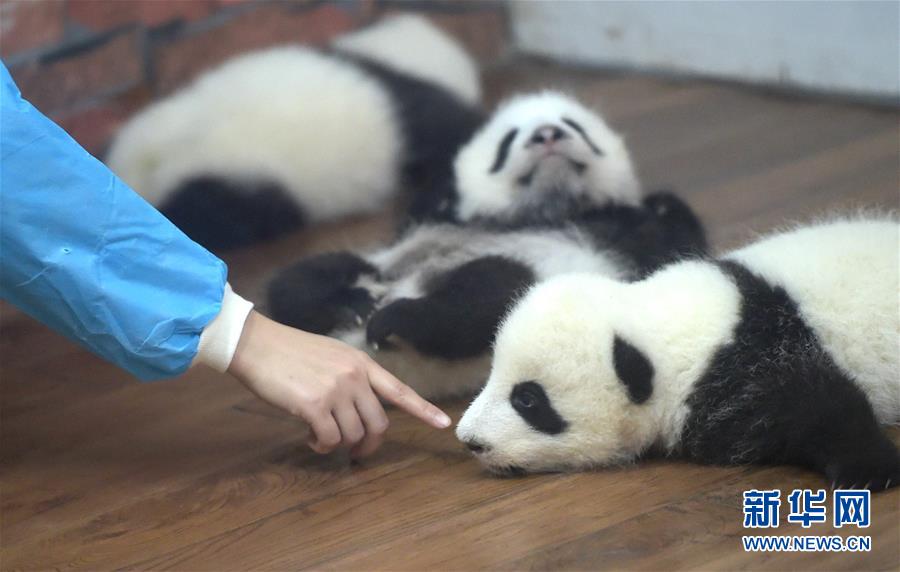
point(401, 395)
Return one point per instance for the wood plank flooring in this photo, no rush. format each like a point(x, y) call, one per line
point(100, 472)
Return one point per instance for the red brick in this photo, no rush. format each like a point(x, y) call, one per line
point(29, 24)
point(112, 67)
point(94, 127)
point(268, 25)
point(101, 15)
point(153, 12)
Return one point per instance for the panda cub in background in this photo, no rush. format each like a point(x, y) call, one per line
point(427, 307)
point(785, 351)
point(272, 139)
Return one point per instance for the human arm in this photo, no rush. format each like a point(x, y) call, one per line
point(84, 254)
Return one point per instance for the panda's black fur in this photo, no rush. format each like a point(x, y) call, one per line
point(319, 294)
point(435, 124)
point(205, 206)
point(775, 395)
point(664, 230)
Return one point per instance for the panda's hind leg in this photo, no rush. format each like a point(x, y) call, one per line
point(460, 312)
point(321, 294)
point(222, 214)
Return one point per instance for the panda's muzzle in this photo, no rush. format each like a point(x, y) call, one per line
point(481, 451)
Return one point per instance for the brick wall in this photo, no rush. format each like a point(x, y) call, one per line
point(89, 64)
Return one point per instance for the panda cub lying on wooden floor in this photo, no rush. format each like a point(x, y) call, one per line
point(274, 139)
point(785, 351)
point(546, 187)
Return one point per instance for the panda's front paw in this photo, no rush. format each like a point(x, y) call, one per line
point(673, 227)
point(323, 293)
point(359, 303)
point(864, 468)
point(665, 205)
point(393, 322)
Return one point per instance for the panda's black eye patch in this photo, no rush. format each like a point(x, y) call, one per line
point(530, 401)
point(580, 130)
point(503, 150)
point(634, 370)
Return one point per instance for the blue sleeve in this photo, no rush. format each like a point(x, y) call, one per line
point(84, 254)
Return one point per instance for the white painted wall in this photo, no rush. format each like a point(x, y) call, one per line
point(834, 46)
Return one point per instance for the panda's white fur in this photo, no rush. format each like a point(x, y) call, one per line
point(411, 45)
point(843, 275)
point(317, 125)
point(848, 294)
point(302, 134)
point(487, 192)
point(432, 250)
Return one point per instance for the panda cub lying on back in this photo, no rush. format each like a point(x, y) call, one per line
point(785, 351)
point(558, 195)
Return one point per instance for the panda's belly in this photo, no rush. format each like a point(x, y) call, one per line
point(844, 279)
point(564, 252)
point(407, 267)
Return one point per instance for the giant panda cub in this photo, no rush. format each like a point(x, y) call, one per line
point(427, 306)
point(272, 139)
point(785, 351)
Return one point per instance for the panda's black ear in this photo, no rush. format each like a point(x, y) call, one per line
point(634, 370)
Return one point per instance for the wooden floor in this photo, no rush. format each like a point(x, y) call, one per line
point(100, 472)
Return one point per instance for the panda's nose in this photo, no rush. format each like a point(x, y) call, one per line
point(476, 447)
point(547, 134)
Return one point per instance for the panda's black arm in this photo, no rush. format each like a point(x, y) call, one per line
point(459, 315)
point(662, 230)
point(436, 204)
point(319, 294)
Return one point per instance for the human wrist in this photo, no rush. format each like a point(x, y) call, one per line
point(243, 354)
point(220, 338)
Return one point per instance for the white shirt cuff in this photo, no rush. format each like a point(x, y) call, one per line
point(220, 337)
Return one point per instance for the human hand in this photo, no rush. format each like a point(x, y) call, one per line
point(329, 384)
